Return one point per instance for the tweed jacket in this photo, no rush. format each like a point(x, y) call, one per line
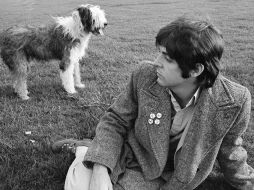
point(221, 117)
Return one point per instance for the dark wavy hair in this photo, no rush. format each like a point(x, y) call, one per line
point(191, 42)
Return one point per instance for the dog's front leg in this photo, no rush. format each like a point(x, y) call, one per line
point(66, 72)
point(77, 78)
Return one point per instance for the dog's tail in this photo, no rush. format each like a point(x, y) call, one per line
point(1, 39)
point(1, 45)
point(3, 34)
point(6, 53)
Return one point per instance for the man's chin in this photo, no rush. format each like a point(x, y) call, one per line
point(160, 82)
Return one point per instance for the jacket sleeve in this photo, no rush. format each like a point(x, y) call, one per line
point(113, 127)
point(232, 156)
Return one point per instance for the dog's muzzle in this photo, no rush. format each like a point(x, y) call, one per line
point(99, 31)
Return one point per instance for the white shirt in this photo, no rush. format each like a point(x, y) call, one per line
point(182, 119)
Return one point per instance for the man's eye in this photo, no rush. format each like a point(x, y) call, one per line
point(167, 58)
point(165, 55)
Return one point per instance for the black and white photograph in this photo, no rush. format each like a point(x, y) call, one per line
point(126, 95)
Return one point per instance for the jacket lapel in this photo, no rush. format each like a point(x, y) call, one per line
point(214, 114)
point(159, 132)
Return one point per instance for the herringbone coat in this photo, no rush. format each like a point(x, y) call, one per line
point(221, 117)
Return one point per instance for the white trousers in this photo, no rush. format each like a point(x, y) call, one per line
point(78, 176)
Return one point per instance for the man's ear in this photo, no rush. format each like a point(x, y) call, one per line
point(198, 71)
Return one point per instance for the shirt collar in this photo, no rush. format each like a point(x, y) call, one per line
point(192, 101)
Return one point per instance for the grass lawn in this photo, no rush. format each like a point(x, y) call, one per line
point(26, 161)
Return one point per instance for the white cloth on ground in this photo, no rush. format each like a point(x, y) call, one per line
point(78, 176)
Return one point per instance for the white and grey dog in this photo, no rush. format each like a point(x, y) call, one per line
point(66, 40)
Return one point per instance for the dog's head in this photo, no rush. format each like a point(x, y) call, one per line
point(92, 18)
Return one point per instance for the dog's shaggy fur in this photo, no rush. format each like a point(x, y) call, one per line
point(66, 40)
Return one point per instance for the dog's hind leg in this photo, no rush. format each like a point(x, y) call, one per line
point(21, 86)
point(20, 78)
point(18, 67)
point(77, 78)
point(15, 79)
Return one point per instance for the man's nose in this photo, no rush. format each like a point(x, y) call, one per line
point(157, 61)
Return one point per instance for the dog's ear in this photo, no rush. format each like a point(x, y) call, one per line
point(76, 17)
point(86, 18)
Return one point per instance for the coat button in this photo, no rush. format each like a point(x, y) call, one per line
point(157, 121)
point(150, 121)
point(158, 115)
point(152, 115)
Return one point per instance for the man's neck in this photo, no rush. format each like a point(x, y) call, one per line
point(183, 94)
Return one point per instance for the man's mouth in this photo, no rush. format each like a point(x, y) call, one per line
point(158, 74)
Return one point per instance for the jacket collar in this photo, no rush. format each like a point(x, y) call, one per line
point(155, 89)
point(220, 94)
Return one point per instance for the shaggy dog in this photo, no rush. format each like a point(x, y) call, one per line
point(65, 40)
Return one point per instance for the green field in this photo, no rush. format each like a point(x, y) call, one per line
point(51, 114)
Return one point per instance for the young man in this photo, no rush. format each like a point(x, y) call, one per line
point(173, 120)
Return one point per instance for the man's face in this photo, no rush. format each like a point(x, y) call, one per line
point(168, 72)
